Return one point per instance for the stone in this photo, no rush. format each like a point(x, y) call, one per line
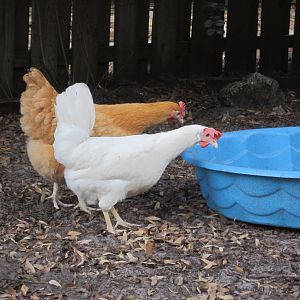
point(255, 90)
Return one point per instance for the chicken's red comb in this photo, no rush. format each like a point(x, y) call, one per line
point(182, 106)
point(215, 134)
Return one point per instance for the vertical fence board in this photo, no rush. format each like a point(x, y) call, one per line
point(125, 66)
point(21, 42)
point(143, 7)
point(184, 28)
point(241, 28)
point(205, 58)
point(296, 50)
point(86, 37)
point(7, 31)
point(274, 57)
point(104, 37)
point(44, 38)
point(164, 38)
point(63, 18)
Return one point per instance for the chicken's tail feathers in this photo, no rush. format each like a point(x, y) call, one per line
point(75, 107)
point(37, 107)
point(75, 114)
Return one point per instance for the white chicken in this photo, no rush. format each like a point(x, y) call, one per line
point(106, 170)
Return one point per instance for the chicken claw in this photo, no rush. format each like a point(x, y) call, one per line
point(109, 226)
point(81, 204)
point(120, 221)
point(55, 198)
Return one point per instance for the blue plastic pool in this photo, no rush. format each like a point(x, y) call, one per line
point(254, 176)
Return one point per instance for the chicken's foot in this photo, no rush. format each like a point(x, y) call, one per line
point(82, 205)
point(55, 198)
point(109, 226)
point(120, 221)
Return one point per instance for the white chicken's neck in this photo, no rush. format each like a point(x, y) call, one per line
point(176, 141)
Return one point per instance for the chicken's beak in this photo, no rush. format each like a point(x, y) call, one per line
point(180, 119)
point(175, 116)
point(215, 144)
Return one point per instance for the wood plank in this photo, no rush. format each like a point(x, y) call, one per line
point(86, 35)
point(142, 32)
point(63, 23)
point(22, 59)
point(125, 64)
point(205, 60)
point(296, 49)
point(183, 36)
point(164, 38)
point(44, 40)
point(274, 24)
point(7, 32)
point(242, 25)
point(104, 40)
point(21, 43)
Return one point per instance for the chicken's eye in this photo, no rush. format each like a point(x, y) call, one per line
point(207, 134)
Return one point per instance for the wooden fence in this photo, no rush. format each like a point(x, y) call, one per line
point(133, 40)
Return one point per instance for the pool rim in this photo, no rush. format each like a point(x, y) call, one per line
point(186, 155)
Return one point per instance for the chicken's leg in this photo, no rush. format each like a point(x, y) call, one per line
point(109, 226)
point(55, 197)
point(82, 205)
point(120, 221)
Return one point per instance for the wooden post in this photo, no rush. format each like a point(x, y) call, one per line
point(125, 65)
point(164, 38)
point(241, 34)
point(7, 34)
point(86, 38)
point(21, 43)
point(274, 24)
point(183, 36)
point(142, 32)
point(205, 59)
point(44, 41)
point(63, 18)
point(296, 49)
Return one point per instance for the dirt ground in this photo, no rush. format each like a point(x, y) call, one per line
point(182, 250)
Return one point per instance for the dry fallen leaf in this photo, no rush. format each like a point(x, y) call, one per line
point(209, 264)
point(212, 290)
point(11, 293)
point(35, 296)
point(225, 297)
point(29, 268)
point(169, 262)
point(55, 283)
point(222, 294)
point(157, 205)
point(84, 242)
point(153, 220)
point(179, 240)
point(131, 258)
point(239, 269)
point(243, 236)
point(24, 289)
point(178, 280)
point(80, 254)
point(72, 235)
point(149, 247)
point(155, 278)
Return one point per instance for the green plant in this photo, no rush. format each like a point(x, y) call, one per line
point(214, 10)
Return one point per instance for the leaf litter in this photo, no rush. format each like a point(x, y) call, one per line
point(182, 250)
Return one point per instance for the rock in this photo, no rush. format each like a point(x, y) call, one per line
point(255, 90)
